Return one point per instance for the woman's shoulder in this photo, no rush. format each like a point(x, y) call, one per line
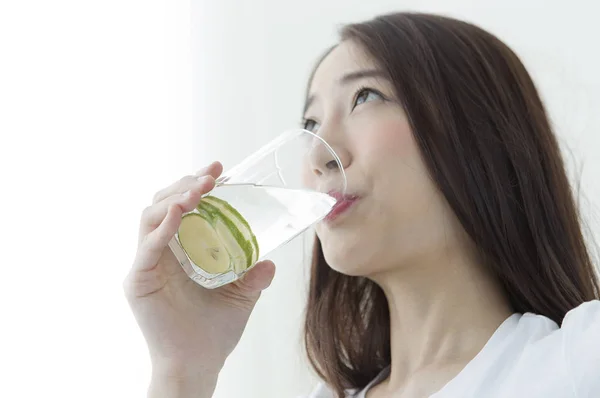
point(582, 318)
point(581, 321)
point(570, 350)
point(576, 342)
point(581, 347)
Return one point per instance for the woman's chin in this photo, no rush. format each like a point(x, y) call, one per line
point(345, 263)
point(348, 254)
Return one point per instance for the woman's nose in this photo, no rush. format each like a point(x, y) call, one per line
point(323, 158)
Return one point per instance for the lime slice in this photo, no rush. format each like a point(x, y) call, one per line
point(202, 244)
point(240, 222)
point(234, 232)
point(238, 249)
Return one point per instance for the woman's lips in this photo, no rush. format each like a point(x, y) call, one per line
point(344, 202)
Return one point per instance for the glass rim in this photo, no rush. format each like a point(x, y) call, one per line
point(272, 145)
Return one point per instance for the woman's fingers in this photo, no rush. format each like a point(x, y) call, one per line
point(160, 222)
point(152, 245)
point(258, 278)
point(153, 215)
point(213, 170)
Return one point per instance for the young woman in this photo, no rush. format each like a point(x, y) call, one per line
point(458, 268)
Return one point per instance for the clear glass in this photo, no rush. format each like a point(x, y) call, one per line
point(262, 203)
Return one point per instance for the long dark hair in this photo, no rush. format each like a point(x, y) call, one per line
point(484, 135)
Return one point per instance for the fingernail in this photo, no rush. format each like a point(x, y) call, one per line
point(187, 194)
point(202, 178)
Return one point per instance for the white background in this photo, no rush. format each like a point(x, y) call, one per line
point(103, 103)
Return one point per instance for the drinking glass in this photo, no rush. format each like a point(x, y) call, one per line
point(265, 201)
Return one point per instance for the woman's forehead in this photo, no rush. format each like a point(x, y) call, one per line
point(347, 57)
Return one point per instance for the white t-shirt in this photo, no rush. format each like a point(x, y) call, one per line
point(528, 356)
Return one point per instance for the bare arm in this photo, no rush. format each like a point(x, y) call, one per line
point(168, 385)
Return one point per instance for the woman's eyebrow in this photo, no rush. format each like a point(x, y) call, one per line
point(350, 77)
point(362, 74)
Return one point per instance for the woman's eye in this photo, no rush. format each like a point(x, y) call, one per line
point(366, 95)
point(310, 125)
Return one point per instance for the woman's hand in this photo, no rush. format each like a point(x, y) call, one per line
point(189, 330)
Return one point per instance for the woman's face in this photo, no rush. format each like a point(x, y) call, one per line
point(398, 214)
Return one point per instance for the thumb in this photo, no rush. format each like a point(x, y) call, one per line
point(259, 277)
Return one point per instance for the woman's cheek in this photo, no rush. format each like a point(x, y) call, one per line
point(387, 138)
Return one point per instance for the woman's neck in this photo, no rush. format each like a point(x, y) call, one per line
point(443, 310)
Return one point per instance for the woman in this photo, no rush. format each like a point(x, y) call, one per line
point(460, 270)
